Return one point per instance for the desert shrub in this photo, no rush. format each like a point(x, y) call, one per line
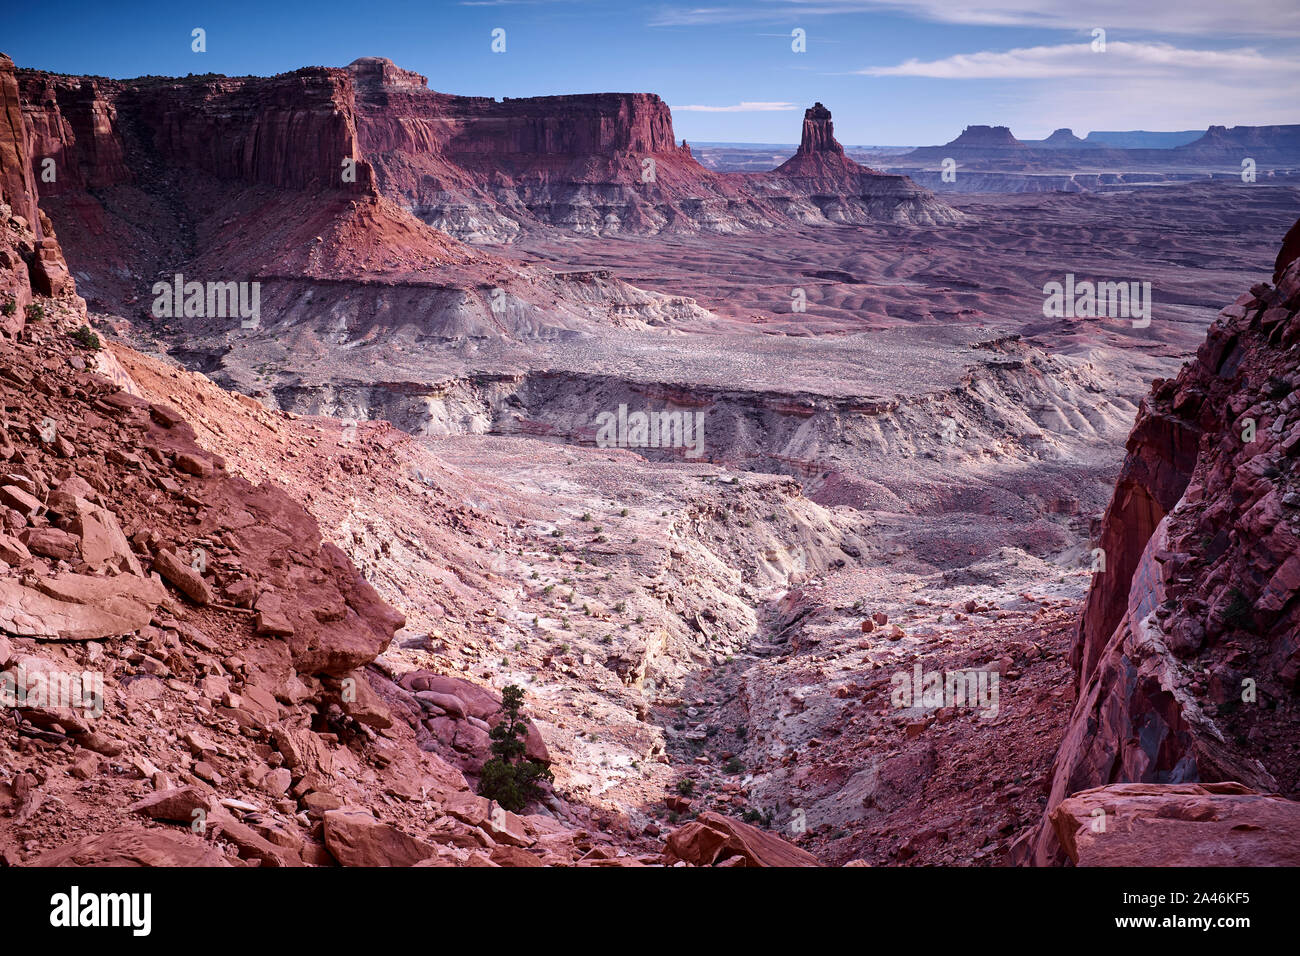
point(86, 338)
point(1240, 613)
point(510, 777)
point(35, 312)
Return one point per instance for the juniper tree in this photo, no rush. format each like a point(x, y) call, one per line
point(510, 777)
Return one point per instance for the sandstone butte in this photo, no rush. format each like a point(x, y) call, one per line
point(242, 682)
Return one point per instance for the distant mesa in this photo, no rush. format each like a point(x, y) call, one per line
point(1237, 137)
point(1063, 138)
point(988, 137)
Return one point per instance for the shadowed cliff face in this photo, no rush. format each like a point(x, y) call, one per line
point(292, 131)
point(1187, 654)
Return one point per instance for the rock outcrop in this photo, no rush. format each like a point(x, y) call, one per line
point(818, 132)
point(714, 840)
point(1189, 824)
point(473, 167)
point(1188, 652)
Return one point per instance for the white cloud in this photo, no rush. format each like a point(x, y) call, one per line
point(1274, 18)
point(743, 107)
point(1079, 59)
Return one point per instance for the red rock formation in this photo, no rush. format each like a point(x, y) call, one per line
point(17, 179)
point(1212, 824)
point(72, 123)
point(820, 183)
point(1162, 452)
point(600, 163)
point(818, 132)
point(206, 176)
point(31, 260)
point(1188, 653)
point(820, 155)
point(1289, 252)
point(714, 840)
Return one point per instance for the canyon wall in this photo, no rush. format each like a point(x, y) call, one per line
point(292, 131)
point(31, 259)
point(1187, 655)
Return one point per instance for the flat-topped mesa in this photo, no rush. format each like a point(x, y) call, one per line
point(288, 131)
point(1063, 138)
point(987, 137)
point(818, 132)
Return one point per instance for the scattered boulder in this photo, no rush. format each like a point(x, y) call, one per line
point(712, 839)
point(133, 846)
point(356, 838)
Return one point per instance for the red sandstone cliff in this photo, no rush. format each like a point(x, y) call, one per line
point(31, 260)
point(1188, 653)
point(597, 164)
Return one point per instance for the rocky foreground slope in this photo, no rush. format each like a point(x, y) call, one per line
point(1187, 654)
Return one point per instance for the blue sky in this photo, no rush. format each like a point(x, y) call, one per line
point(895, 72)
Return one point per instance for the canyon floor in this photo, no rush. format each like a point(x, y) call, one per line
point(906, 473)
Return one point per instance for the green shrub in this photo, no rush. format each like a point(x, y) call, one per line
point(87, 339)
point(35, 312)
point(9, 307)
point(510, 777)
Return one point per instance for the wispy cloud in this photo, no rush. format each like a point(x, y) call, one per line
point(1275, 18)
point(1079, 59)
point(742, 107)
